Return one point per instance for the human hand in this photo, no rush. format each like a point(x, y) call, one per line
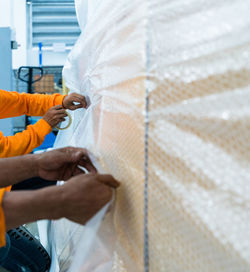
point(84, 195)
point(69, 100)
point(78, 200)
point(55, 115)
point(62, 163)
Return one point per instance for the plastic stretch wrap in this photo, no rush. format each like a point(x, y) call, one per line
point(169, 85)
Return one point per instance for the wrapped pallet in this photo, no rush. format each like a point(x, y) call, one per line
point(168, 84)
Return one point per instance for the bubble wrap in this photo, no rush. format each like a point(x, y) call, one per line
point(169, 85)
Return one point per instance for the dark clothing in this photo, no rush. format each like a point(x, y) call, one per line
point(23, 252)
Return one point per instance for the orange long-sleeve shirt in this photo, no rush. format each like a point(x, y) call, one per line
point(14, 104)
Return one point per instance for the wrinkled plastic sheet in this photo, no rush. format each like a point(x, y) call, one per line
point(169, 90)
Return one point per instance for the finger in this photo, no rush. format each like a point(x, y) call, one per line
point(57, 107)
point(74, 150)
point(83, 101)
point(80, 156)
point(62, 115)
point(90, 167)
point(75, 153)
point(87, 163)
point(108, 180)
point(79, 98)
point(79, 106)
point(79, 171)
point(74, 171)
point(60, 120)
point(60, 111)
point(74, 107)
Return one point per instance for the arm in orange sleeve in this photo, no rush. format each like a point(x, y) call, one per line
point(24, 142)
point(15, 104)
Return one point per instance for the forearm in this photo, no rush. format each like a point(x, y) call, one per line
point(15, 104)
point(25, 206)
point(24, 142)
point(16, 169)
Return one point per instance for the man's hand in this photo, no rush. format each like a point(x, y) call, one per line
point(70, 100)
point(78, 200)
point(84, 195)
point(62, 164)
point(55, 115)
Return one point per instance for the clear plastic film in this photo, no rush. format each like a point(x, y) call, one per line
point(169, 116)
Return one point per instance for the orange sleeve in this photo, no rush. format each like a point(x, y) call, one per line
point(15, 104)
point(2, 220)
point(25, 141)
